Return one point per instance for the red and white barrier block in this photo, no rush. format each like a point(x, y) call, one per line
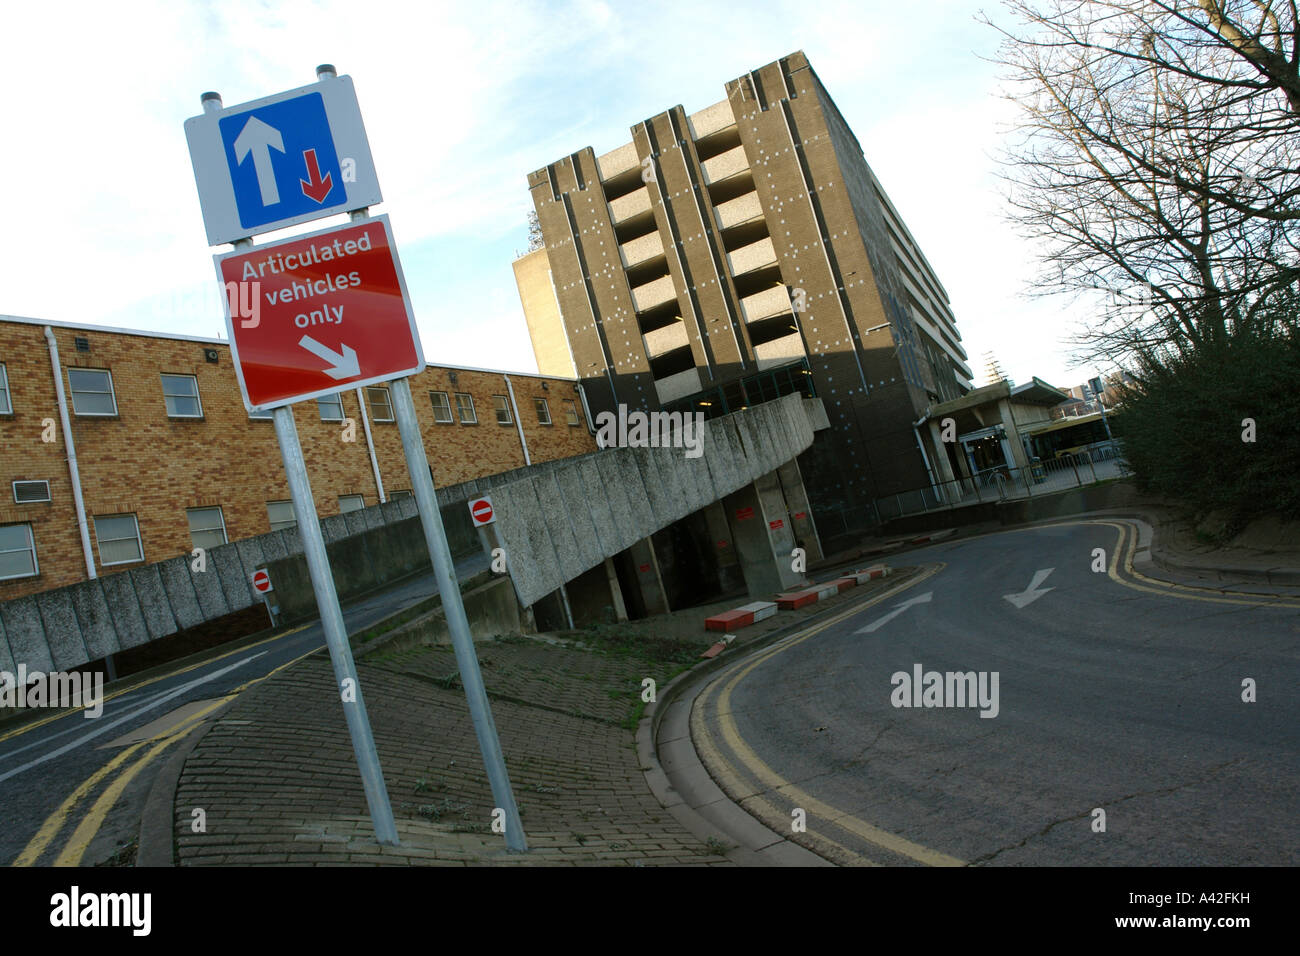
point(740, 617)
point(934, 536)
point(870, 574)
point(792, 600)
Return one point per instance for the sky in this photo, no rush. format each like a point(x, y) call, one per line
point(461, 101)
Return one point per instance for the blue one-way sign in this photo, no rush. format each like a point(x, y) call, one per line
point(282, 160)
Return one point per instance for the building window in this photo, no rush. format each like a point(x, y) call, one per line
point(207, 527)
point(543, 411)
point(281, 515)
point(503, 410)
point(6, 406)
point(31, 492)
point(465, 408)
point(17, 552)
point(331, 407)
point(351, 503)
point(571, 412)
point(441, 408)
point(394, 495)
point(381, 403)
point(119, 539)
point(181, 393)
point(92, 391)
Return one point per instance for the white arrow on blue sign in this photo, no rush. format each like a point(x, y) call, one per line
point(282, 160)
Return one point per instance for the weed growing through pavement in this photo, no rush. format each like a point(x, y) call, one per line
point(424, 786)
point(445, 806)
point(715, 847)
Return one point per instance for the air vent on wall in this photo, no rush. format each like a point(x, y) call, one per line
point(82, 343)
point(27, 492)
point(210, 355)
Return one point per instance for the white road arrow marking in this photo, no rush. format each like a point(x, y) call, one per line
point(875, 625)
point(257, 138)
point(345, 365)
point(1031, 594)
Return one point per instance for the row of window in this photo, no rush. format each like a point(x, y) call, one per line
point(119, 541)
point(465, 409)
point(91, 391)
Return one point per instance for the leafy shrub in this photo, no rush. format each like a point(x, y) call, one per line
point(1182, 427)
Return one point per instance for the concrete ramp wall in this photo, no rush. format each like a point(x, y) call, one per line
point(73, 625)
point(558, 524)
point(555, 520)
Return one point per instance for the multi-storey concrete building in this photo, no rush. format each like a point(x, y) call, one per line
point(727, 256)
point(168, 459)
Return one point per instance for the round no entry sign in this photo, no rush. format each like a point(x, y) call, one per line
point(480, 509)
point(262, 581)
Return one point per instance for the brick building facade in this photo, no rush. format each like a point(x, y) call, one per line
point(169, 458)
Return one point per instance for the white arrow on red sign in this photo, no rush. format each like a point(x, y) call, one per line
point(342, 365)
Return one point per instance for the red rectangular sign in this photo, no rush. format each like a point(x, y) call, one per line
point(313, 315)
point(744, 514)
point(778, 523)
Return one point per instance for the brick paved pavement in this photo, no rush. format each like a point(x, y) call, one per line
point(278, 782)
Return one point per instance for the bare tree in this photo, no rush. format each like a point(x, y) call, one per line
point(1156, 157)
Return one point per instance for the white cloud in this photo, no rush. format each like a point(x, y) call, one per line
point(461, 102)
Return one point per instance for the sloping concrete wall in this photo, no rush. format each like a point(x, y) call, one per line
point(71, 626)
point(368, 561)
point(556, 520)
point(558, 524)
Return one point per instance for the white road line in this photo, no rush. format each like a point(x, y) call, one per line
point(115, 705)
point(105, 728)
point(874, 625)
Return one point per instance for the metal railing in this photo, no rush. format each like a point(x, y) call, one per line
point(1101, 461)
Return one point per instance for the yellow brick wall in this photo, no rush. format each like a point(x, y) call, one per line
point(143, 462)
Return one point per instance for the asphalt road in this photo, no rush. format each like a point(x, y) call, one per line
point(72, 788)
point(1115, 693)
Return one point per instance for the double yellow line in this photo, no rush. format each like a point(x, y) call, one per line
point(75, 849)
point(1119, 569)
point(770, 779)
point(59, 715)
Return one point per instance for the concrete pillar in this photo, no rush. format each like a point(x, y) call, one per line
point(1012, 442)
point(942, 464)
point(650, 581)
point(760, 526)
point(730, 576)
point(796, 502)
point(615, 591)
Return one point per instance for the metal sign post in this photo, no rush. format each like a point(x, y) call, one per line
point(336, 635)
point(327, 600)
point(435, 537)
